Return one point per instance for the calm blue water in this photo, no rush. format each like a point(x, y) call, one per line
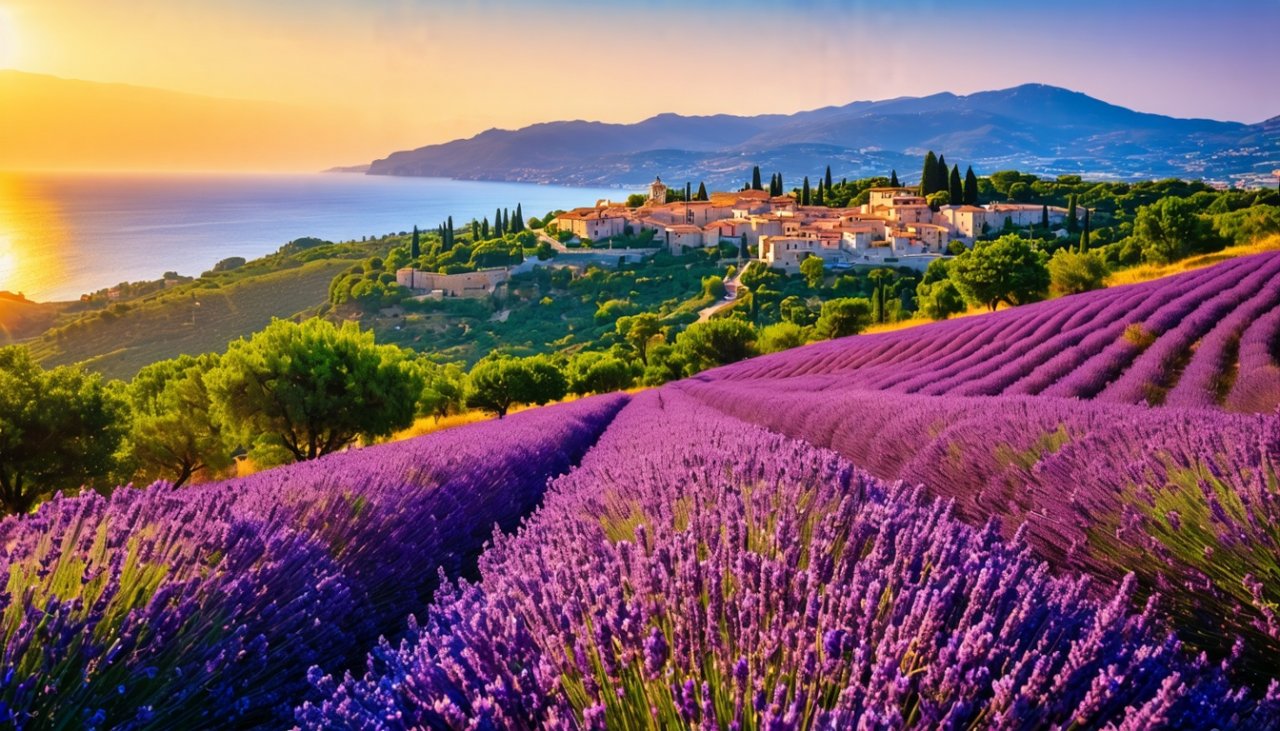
point(65, 234)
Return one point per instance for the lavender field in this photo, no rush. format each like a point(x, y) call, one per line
point(1063, 515)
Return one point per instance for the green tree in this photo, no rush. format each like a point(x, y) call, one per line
point(443, 387)
point(715, 342)
point(1084, 233)
point(596, 372)
point(497, 383)
point(1072, 272)
point(814, 271)
point(1020, 192)
point(781, 336)
point(638, 331)
point(635, 200)
point(517, 221)
point(415, 246)
point(702, 192)
point(172, 433)
point(940, 299)
point(955, 189)
point(1169, 229)
point(755, 178)
point(970, 188)
point(311, 388)
point(59, 429)
point(893, 180)
point(1009, 269)
point(713, 286)
point(826, 180)
point(881, 280)
point(843, 316)
point(1071, 213)
point(928, 176)
point(805, 195)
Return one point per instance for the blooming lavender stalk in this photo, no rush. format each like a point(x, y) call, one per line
point(695, 571)
point(1185, 499)
point(205, 607)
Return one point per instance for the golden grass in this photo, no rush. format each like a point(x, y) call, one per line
point(889, 327)
point(1148, 272)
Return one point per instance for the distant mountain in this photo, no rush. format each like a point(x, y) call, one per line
point(1036, 128)
point(51, 122)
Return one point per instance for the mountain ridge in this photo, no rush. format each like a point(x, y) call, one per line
point(1033, 127)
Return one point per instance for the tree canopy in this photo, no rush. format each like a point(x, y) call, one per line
point(843, 316)
point(59, 429)
point(1009, 269)
point(715, 342)
point(312, 388)
point(173, 434)
point(497, 383)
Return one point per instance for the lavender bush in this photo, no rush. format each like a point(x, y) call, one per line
point(699, 572)
point(1126, 344)
point(164, 608)
point(1187, 500)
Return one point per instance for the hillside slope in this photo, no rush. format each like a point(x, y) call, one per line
point(119, 344)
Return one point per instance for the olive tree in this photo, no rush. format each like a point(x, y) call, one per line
point(1009, 269)
point(173, 434)
point(312, 388)
point(59, 429)
point(497, 383)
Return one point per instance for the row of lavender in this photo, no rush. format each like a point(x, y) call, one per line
point(697, 571)
point(206, 607)
point(1189, 500)
point(1206, 338)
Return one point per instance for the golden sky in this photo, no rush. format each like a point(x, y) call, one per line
point(402, 73)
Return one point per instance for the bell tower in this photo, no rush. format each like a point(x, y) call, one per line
point(657, 192)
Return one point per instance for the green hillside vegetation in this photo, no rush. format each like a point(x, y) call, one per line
point(119, 338)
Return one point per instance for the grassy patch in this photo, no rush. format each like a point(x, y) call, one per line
point(192, 319)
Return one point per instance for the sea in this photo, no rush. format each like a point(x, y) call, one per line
point(66, 234)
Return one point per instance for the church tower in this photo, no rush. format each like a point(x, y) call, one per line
point(657, 193)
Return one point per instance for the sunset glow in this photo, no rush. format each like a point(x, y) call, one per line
point(382, 76)
point(8, 39)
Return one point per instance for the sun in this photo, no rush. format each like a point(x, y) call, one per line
point(8, 39)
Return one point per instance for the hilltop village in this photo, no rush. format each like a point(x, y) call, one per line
point(896, 226)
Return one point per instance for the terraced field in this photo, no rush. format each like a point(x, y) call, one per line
point(1207, 338)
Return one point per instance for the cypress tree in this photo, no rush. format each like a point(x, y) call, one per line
point(475, 230)
point(927, 176)
point(755, 178)
point(449, 231)
point(518, 223)
point(893, 180)
point(1071, 214)
point(702, 191)
point(827, 179)
point(817, 196)
point(782, 189)
point(1084, 233)
point(415, 247)
point(484, 228)
point(1044, 217)
point(970, 188)
point(804, 192)
point(954, 188)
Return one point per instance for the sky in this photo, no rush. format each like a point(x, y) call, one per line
point(412, 72)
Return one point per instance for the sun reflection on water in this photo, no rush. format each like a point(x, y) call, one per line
point(33, 238)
